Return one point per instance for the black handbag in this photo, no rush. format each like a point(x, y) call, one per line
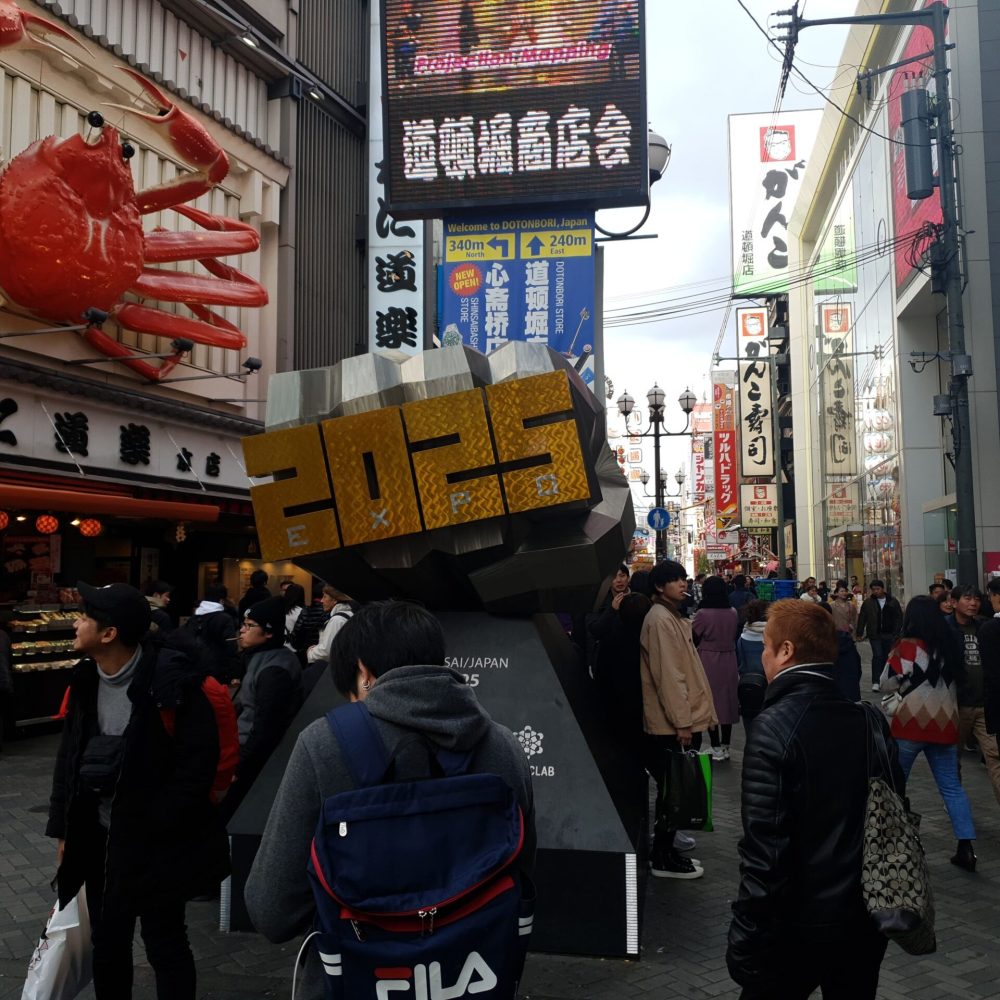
point(101, 763)
point(895, 880)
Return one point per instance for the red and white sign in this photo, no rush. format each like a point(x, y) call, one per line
point(725, 446)
point(842, 507)
point(751, 328)
point(759, 506)
point(835, 318)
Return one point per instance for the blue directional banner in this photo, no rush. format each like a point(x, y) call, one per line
point(520, 278)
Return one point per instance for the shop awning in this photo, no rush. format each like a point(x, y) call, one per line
point(18, 497)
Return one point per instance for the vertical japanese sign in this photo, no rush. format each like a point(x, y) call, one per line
point(751, 331)
point(724, 448)
point(837, 382)
point(395, 249)
point(521, 278)
point(767, 160)
point(698, 464)
point(908, 216)
point(756, 425)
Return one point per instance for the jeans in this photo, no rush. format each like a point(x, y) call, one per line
point(657, 749)
point(163, 933)
point(880, 653)
point(942, 758)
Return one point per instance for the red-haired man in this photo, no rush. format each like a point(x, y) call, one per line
point(799, 921)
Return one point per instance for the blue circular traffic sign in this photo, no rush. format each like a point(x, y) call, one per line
point(658, 519)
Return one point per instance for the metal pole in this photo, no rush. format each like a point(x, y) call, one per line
point(657, 417)
point(968, 559)
point(776, 436)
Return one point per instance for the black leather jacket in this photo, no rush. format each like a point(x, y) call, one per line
point(805, 786)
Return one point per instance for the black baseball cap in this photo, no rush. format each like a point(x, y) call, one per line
point(121, 605)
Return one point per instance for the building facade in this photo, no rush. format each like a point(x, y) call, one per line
point(108, 472)
point(875, 490)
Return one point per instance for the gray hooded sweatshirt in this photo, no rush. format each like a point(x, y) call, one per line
point(434, 701)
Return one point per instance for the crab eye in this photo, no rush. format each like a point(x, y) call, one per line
point(128, 150)
point(95, 119)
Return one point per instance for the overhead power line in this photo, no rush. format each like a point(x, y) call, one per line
point(722, 297)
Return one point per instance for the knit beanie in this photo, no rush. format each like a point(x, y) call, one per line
point(270, 615)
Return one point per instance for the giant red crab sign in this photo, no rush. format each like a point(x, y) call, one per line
point(71, 235)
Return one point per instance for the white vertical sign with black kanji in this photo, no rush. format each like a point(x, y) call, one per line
point(395, 249)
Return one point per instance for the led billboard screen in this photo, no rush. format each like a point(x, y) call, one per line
point(499, 102)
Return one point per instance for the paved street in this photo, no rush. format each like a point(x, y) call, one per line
point(685, 922)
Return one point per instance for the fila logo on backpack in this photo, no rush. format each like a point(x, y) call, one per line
point(426, 983)
point(418, 893)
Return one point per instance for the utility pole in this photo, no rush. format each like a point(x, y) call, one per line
point(935, 17)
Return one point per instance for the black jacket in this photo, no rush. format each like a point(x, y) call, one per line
point(805, 787)
point(166, 840)
point(253, 596)
point(877, 622)
point(216, 632)
point(989, 647)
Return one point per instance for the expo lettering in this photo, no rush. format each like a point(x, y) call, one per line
point(432, 463)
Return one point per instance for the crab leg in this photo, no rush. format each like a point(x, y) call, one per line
point(176, 286)
point(191, 140)
point(19, 27)
point(100, 341)
point(163, 246)
point(146, 319)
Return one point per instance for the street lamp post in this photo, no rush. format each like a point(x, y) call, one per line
point(656, 398)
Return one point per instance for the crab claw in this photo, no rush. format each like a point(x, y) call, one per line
point(18, 27)
point(192, 142)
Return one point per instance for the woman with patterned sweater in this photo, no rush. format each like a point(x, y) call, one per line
point(923, 667)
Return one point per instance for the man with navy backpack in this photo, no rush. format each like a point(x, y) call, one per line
point(411, 718)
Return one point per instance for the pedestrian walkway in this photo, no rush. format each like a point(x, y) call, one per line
point(684, 930)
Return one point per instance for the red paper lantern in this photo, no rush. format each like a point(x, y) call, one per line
point(90, 527)
point(46, 524)
point(4, 519)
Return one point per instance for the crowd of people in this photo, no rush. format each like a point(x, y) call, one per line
point(676, 663)
point(711, 653)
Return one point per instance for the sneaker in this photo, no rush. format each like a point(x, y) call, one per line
point(725, 752)
point(875, 689)
point(718, 754)
point(675, 866)
point(683, 841)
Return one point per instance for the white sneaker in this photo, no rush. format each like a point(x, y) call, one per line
point(725, 751)
point(875, 688)
point(718, 754)
point(683, 841)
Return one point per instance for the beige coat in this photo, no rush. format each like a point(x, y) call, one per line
point(675, 691)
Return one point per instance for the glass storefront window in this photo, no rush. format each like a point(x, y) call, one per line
point(854, 381)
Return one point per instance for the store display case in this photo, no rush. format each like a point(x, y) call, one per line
point(41, 658)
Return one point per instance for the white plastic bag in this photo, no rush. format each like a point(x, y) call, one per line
point(61, 965)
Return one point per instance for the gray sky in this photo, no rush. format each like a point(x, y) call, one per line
point(706, 61)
